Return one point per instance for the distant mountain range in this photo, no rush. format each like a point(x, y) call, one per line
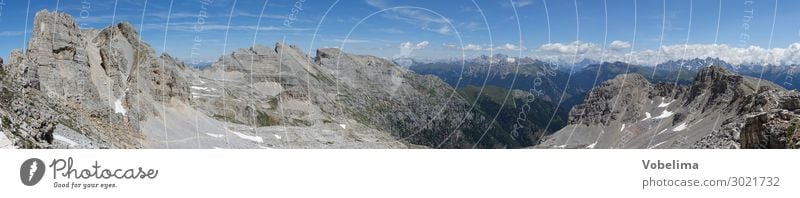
point(564, 89)
point(106, 88)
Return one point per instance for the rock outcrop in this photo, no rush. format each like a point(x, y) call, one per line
point(334, 90)
point(718, 110)
point(91, 86)
point(106, 88)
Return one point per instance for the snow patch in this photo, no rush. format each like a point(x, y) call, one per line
point(591, 146)
point(199, 88)
point(659, 144)
point(665, 104)
point(623, 127)
point(118, 108)
point(195, 95)
point(248, 137)
point(203, 88)
point(65, 140)
point(277, 136)
point(647, 116)
point(681, 127)
point(215, 135)
point(5, 143)
point(344, 126)
point(664, 114)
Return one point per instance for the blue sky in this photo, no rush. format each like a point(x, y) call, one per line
point(434, 29)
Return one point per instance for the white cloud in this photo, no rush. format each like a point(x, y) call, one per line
point(390, 30)
point(569, 48)
point(477, 47)
point(406, 48)
point(406, 45)
point(193, 27)
point(423, 45)
point(377, 3)
point(12, 33)
point(443, 30)
point(347, 41)
point(565, 52)
point(411, 46)
point(619, 45)
point(472, 47)
point(522, 3)
point(518, 3)
point(423, 19)
point(449, 46)
point(510, 47)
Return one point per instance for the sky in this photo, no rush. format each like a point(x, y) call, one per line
point(638, 31)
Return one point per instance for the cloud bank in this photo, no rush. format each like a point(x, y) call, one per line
point(619, 51)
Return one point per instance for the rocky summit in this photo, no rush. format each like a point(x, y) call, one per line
point(719, 109)
point(106, 88)
point(85, 88)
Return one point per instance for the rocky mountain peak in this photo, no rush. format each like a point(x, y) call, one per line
point(716, 89)
point(599, 106)
point(54, 32)
point(327, 53)
point(714, 73)
point(77, 81)
point(720, 109)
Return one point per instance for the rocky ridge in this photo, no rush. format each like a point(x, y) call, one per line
point(85, 88)
point(719, 109)
point(106, 88)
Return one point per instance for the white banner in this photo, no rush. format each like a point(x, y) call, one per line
point(399, 173)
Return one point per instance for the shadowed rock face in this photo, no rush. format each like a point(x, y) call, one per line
point(719, 110)
point(282, 86)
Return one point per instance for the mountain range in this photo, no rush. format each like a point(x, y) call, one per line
point(106, 88)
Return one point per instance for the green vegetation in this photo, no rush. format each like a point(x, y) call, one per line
point(264, 119)
point(518, 124)
point(226, 118)
point(791, 132)
point(273, 103)
point(298, 122)
point(432, 91)
point(493, 93)
point(6, 123)
point(70, 123)
point(6, 96)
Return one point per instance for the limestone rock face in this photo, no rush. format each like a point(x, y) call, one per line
point(718, 110)
point(411, 106)
point(106, 88)
point(87, 88)
point(92, 86)
point(261, 87)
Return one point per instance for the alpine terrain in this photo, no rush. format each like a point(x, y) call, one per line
point(106, 88)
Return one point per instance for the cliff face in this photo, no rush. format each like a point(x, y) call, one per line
point(718, 110)
point(282, 86)
point(91, 86)
point(106, 88)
